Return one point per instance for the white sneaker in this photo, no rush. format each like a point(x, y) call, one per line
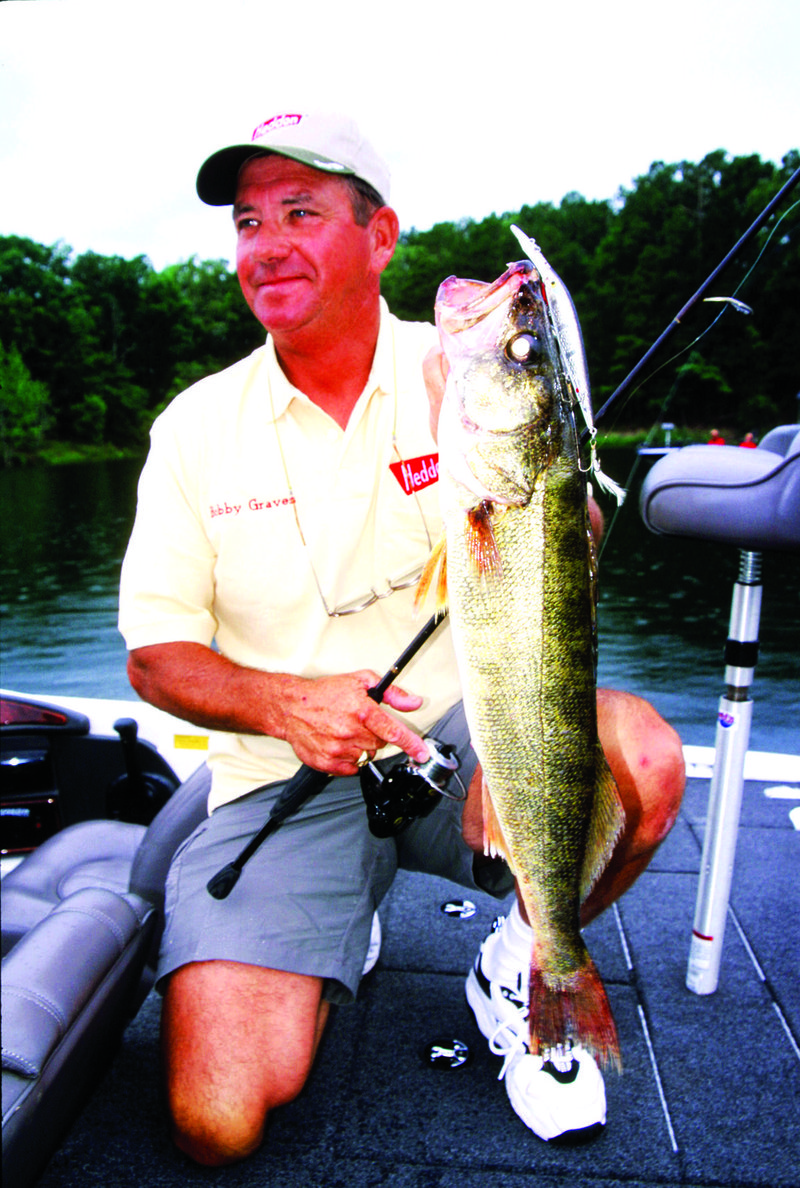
point(561, 1095)
point(374, 950)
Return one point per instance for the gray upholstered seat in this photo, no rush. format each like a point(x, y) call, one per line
point(67, 990)
point(81, 919)
point(89, 854)
point(747, 498)
point(115, 855)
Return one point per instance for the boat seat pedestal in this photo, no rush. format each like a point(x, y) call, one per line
point(751, 499)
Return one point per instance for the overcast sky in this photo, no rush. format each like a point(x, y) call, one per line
point(108, 108)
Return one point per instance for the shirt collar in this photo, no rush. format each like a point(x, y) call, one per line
point(380, 381)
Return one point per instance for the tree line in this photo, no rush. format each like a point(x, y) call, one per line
point(92, 347)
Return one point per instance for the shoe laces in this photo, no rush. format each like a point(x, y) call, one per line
point(509, 1037)
point(509, 1042)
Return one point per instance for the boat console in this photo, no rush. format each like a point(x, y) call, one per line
point(57, 771)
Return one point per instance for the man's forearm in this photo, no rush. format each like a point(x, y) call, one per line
point(199, 685)
point(328, 721)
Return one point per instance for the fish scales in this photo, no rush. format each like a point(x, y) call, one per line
point(520, 588)
point(523, 646)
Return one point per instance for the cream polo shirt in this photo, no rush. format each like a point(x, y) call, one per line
point(216, 555)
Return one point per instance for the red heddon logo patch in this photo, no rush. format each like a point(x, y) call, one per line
point(278, 121)
point(416, 473)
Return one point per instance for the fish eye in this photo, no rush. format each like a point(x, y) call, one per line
point(522, 348)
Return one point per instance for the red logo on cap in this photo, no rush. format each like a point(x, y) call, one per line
point(416, 473)
point(278, 121)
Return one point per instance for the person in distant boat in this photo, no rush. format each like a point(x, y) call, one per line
point(285, 512)
point(716, 438)
point(748, 442)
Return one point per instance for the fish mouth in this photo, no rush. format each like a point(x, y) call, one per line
point(463, 303)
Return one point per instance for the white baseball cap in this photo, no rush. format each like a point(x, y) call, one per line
point(328, 142)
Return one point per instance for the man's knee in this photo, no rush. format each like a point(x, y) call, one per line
point(669, 778)
point(215, 1138)
point(238, 1041)
point(219, 1129)
point(661, 782)
point(646, 757)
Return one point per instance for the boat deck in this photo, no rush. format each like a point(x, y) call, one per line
point(709, 1095)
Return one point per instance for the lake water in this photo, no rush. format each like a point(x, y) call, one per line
point(664, 603)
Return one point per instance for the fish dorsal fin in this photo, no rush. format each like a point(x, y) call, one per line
point(436, 561)
point(605, 825)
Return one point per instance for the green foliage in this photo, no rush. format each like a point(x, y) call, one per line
point(96, 345)
point(24, 408)
point(669, 233)
point(112, 339)
point(89, 419)
point(631, 265)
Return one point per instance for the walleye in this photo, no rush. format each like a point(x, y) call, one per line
point(520, 582)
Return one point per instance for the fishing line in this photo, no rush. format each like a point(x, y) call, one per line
point(711, 324)
point(755, 226)
point(658, 418)
point(757, 260)
point(661, 367)
point(672, 359)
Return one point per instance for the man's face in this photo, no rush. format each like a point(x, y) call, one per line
point(302, 260)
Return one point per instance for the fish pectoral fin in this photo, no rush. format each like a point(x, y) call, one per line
point(605, 825)
point(494, 843)
point(481, 544)
point(436, 561)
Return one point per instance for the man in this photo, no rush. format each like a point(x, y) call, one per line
point(285, 511)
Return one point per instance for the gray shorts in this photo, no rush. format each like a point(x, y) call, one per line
point(305, 900)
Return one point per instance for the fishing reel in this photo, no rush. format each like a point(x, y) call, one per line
point(409, 790)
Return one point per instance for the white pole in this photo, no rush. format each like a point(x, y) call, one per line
point(725, 795)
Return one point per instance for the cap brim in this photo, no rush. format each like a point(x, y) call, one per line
point(217, 177)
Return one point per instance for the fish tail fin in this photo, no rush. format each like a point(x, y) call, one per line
point(436, 561)
point(574, 1009)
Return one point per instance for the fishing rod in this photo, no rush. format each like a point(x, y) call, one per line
point(307, 781)
point(676, 321)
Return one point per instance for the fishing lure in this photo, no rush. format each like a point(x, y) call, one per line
point(567, 331)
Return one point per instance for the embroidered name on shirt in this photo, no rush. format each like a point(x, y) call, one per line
point(227, 509)
point(264, 504)
point(416, 473)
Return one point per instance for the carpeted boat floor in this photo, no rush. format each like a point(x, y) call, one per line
point(709, 1093)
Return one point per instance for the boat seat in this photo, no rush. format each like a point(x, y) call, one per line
point(747, 498)
point(81, 920)
point(89, 854)
point(67, 990)
point(115, 855)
